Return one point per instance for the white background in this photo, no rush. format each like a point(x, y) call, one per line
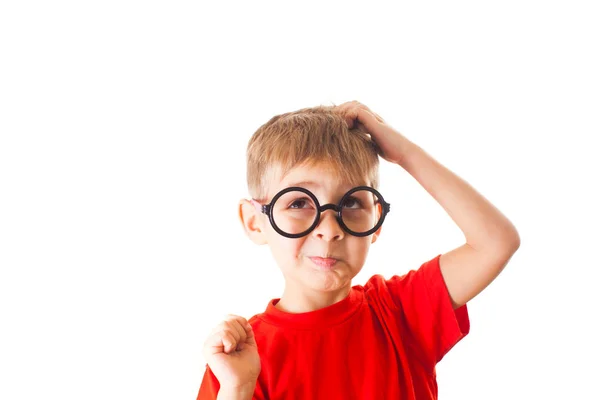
point(123, 130)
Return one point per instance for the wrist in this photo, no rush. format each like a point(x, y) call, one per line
point(242, 392)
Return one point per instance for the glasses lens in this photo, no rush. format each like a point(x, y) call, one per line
point(294, 212)
point(361, 211)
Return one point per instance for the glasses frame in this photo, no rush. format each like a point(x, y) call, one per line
point(268, 210)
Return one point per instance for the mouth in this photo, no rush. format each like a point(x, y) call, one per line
point(324, 263)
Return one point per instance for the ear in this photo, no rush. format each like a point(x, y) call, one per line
point(378, 231)
point(376, 235)
point(252, 221)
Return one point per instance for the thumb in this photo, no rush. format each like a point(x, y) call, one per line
point(367, 119)
point(250, 338)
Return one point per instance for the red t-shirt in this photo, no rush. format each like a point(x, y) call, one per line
point(381, 342)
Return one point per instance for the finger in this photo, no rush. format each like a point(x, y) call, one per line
point(355, 103)
point(364, 107)
point(239, 323)
point(229, 342)
point(250, 338)
point(227, 327)
point(342, 109)
point(375, 115)
point(348, 118)
point(344, 104)
point(219, 342)
point(353, 113)
point(243, 321)
point(240, 331)
point(362, 113)
point(230, 326)
point(230, 317)
point(350, 112)
point(367, 119)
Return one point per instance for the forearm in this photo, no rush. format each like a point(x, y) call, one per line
point(240, 393)
point(480, 221)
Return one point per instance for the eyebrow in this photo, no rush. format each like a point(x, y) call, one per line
point(314, 184)
point(304, 183)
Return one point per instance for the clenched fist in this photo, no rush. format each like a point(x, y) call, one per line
point(231, 353)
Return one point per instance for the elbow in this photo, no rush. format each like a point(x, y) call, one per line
point(504, 246)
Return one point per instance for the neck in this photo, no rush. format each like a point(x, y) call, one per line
point(297, 301)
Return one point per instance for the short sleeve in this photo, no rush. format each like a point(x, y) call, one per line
point(426, 309)
point(209, 388)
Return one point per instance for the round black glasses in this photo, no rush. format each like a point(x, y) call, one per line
point(295, 211)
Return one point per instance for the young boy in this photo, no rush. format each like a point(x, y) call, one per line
point(313, 178)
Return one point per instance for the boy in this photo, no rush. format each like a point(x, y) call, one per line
point(313, 177)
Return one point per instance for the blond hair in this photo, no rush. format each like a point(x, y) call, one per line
point(310, 135)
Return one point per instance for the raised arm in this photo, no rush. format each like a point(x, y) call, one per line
point(490, 238)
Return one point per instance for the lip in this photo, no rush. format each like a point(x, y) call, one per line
point(325, 263)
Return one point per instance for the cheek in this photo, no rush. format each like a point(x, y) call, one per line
point(292, 248)
point(359, 249)
point(284, 248)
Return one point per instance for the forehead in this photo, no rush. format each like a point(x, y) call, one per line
point(320, 178)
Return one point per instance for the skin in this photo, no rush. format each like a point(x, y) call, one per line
point(307, 287)
point(231, 351)
point(232, 355)
point(490, 238)
point(490, 241)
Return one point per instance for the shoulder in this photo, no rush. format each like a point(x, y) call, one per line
point(399, 288)
point(427, 270)
point(257, 320)
point(262, 326)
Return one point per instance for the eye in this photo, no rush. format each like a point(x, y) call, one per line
point(352, 202)
point(300, 203)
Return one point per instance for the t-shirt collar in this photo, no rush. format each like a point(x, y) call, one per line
point(324, 317)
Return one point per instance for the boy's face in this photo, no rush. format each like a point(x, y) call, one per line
point(328, 239)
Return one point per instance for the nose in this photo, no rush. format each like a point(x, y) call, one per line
point(328, 229)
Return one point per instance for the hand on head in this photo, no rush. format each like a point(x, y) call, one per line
point(393, 145)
